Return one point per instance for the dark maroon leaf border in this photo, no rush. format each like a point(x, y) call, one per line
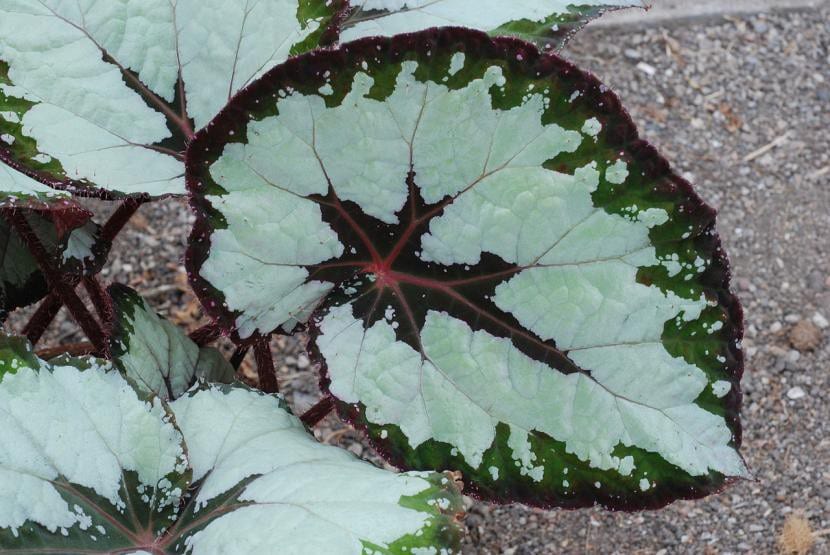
point(524, 58)
point(67, 185)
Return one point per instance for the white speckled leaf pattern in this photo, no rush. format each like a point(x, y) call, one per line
point(98, 468)
point(104, 95)
point(496, 282)
point(545, 22)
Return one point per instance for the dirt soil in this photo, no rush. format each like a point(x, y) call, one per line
point(741, 106)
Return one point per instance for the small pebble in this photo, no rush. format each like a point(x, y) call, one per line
point(805, 336)
point(648, 69)
point(795, 393)
point(816, 280)
point(760, 26)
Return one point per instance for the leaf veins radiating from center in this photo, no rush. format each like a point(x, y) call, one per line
point(495, 272)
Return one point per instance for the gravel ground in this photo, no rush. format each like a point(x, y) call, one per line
point(741, 106)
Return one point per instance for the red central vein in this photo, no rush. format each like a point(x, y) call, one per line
point(386, 277)
point(417, 221)
point(381, 267)
point(345, 264)
point(377, 259)
point(410, 315)
point(486, 277)
point(427, 283)
point(399, 246)
point(414, 223)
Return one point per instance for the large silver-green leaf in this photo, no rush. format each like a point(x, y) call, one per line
point(105, 94)
point(502, 278)
point(545, 22)
point(89, 465)
point(85, 461)
point(157, 355)
point(296, 496)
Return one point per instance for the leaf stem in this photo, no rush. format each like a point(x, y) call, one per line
point(121, 216)
point(265, 366)
point(63, 287)
point(315, 414)
point(43, 316)
point(99, 298)
point(238, 356)
point(206, 334)
point(71, 349)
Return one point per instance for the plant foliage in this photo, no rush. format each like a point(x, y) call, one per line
point(498, 278)
point(102, 466)
point(156, 355)
point(64, 229)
